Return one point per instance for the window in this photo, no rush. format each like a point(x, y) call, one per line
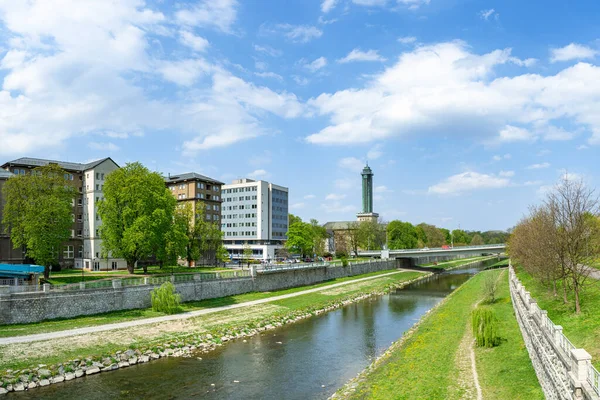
point(102, 176)
point(79, 234)
point(182, 186)
point(208, 206)
point(97, 233)
point(207, 216)
point(79, 202)
point(97, 176)
point(97, 199)
point(216, 198)
point(80, 252)
point(216, 188)
point(200, 195)
point(200, 185)
point(68, 252)
point(113, 265)
point(79, 218)
point(215, 217)
point(87, 176)
point(68, 177)
point(96, 266)
point(216, 207)
point(97, 217)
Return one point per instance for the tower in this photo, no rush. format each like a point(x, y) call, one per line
point(367, 213)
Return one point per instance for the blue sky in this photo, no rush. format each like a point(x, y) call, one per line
point(467, 111)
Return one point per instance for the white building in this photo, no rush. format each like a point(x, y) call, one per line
point(254, 214)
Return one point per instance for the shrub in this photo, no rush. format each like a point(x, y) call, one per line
point(164, 299)
point(344, 261)
point(340, 254)
point(485, 328)
point(490, 287)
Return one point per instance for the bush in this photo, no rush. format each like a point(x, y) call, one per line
point(490, 287)
point(485, 328)
point(165, 300)
point(344, 261)
point(340, 254)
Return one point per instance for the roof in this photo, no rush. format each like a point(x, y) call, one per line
point(338, 225)
point(190, 176)
point(19, 270)
point(39, 162)
point(5, 174)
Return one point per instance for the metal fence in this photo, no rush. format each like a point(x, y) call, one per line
point(329, 264)
point(126, 282)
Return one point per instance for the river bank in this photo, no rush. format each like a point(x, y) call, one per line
point(26, 366)
point(435, 359)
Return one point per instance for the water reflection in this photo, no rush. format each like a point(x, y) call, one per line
point(306, 360)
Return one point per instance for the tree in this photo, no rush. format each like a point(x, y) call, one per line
point(401, 235)
point(353, 235)
point(300, 238)
point(371, 235)
point(319, 237)
point(446, 233)
point(435, 237)
point(137, 215)
point(421, 237)
point(293, 219)
point(460, 237)
point(38, 213)
point(247, 253)
point(476, 240)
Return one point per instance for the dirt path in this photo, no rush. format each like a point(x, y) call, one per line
point(467, 383)
point(175, 317)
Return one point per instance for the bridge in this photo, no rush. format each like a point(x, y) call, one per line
point(436, 253)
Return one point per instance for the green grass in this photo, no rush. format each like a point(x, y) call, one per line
point(583, 329)
point(236, 320)
point(129, 315)
point(505, 372)
point(501, 263)
point(424, 365)
point(453, 263)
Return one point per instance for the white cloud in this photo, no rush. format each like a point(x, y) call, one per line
point(486, 14)
point(106, 146)
point(506, 174)
point(467, 182)
point(192, 41)
point(413, 4)
point(260, 65)
point(335, 196)
point(259, 174)
point(407, 39)
point(539, 166)
point(445, 86)
point(300, 80)
point(309, 196)
point(316, 65)
point(268, 50)
point(582, 147)
point(184, 72)
point(358, 55)
point(382, 189)
point(499, 157)
point(572, 51)
point(375, 152)
point(297, 206)
point(272, 75)
point(557, 134)
point(218, 14)
point(296, 33)
point(351, 163)
point(328, 5)
point(337, 208)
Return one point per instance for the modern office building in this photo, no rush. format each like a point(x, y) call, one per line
point(84, 248)
point(255, 215)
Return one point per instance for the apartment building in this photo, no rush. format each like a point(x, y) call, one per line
point(254, 214)
point(194, 188)
point(84, 249)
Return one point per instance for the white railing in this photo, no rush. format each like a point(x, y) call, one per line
point(549, 341)
point(287, 267)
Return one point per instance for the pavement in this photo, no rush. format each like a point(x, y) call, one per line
point(174, 317)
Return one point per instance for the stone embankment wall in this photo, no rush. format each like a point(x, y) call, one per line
point(564, 371)
point(38, 306)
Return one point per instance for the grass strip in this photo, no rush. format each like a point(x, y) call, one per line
point(130, 315)
point(228, 322)
point(505, 371)
point(445, 264)
point(583, 329)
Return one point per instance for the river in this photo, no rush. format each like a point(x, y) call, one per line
point(309, 359)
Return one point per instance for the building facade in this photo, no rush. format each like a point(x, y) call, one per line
point(255, 216)
point(84, 248)
point(367, 213)
point(195, 188)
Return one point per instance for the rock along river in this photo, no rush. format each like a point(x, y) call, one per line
point(309, 359)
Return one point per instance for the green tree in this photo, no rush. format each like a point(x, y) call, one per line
point(353, 237)
point(38, 213)
point(247, 252)
point(293, 219)
point(477, 240)
point(137, 215)
point(401, 235)
point(371, 235)
point(319, 236)
point(421, 236)
point(461, 238)
point(435, 236)
point(446, 233)
point(301, 238)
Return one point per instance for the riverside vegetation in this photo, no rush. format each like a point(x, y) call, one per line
point(35, 364)
point(405, 370)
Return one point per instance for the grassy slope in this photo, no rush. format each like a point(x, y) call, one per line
point(214, 323)
point(128, 315)
point(583, 329)
point(423, 367)
point(505, 372)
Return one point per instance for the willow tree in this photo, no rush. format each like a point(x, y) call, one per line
point(38, 213)
point(137, 215)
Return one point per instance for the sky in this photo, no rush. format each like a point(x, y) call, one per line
point(467, 111)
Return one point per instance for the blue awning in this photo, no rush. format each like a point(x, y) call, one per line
point(19, 270)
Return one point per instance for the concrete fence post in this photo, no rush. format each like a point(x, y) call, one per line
point(173, 279)
point(16, 281)
point(557, 333)
point(253, 271)
point(197, 277)
point(146, 281)
point(235, 274)
point(218, 275)
point(46, 287)
point(580, 362)
point(117, 284)
point(81, 285)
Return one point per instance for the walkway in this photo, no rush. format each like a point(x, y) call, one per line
point(190, 314)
